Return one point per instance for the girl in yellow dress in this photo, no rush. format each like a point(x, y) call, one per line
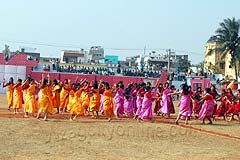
point(70, 97)
point(108, 101)
point(25, 86)
point(9, 92)
point(44, 101)
point(77, 108)
point(56, 94)
point(30, 100)
point(85, 100)
point(64, 95)
point(95, 99)
point(17, 96)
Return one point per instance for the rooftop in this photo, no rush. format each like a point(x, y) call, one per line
point(73, 51)
point(72, 54)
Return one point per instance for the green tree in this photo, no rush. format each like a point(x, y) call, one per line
point(228, 37)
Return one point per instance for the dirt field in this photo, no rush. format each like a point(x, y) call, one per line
point(123, 139)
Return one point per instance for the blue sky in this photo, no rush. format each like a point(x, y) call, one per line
point(126, 24)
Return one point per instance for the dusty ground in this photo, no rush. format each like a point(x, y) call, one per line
point(123, 139)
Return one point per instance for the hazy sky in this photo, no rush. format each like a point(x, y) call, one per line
point(125, 24)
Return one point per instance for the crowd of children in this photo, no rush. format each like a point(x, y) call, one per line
point(135, 101)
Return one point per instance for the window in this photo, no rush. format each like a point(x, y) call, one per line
point(196, 85)
point(230, 66)
point(222, 65)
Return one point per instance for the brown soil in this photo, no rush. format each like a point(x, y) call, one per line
point(123, 138)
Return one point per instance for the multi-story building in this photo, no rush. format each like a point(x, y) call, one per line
point(179, 63)
point(213, 61)
point(70, 56)
point(156, 61)
point(132, 61)
point(95, 54)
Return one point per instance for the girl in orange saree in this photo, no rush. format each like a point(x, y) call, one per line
point(30, 105)
point(64, 95)
point(108, 101)
point(17, 96)
point(77, 108)
point(56, 94)
point(95, 100)
point(44, 102)
point(9, 92)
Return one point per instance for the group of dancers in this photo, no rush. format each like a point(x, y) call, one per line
point(82, 98)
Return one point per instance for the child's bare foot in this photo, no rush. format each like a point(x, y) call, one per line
point(139, 120)
point(135, 117)
point(151, 120)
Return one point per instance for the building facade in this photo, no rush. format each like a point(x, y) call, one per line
point(95, 54)
point(179, 63)
point(70, 56)
point(213, 61)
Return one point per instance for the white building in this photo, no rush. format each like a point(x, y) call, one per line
point(95, 54)
point(73, 56)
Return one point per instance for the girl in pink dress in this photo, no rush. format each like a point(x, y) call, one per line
point(128, 102)
point(184, 104)
point(140, 96)
point(146, 111)
point(166, 102)
point(119, 99)
point(208, 107)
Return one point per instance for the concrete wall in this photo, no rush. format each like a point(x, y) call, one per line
point(7, 71)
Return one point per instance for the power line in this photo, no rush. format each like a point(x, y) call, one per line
point(106, 48)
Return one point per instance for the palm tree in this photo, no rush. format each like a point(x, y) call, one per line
point(228, 36)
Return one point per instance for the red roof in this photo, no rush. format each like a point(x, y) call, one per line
point(73, 54)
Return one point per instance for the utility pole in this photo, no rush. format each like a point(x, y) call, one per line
point(169, 59)
point(144, 51)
